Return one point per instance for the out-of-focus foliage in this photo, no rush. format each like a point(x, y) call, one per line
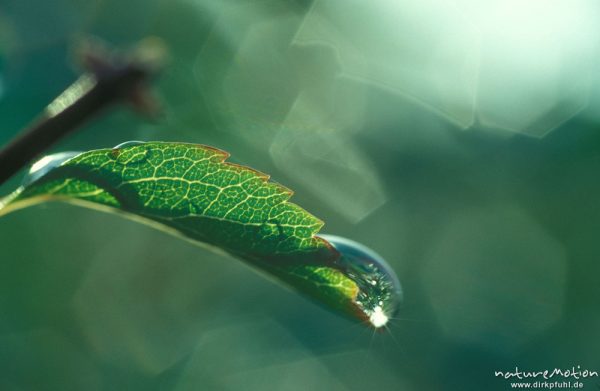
point(459, 139)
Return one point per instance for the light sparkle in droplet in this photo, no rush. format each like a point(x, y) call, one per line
point(378, 318)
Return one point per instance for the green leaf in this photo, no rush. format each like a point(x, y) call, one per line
point(190, 191)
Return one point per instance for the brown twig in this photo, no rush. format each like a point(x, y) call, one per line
point(110, 79)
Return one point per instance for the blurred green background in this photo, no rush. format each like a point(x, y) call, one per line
point(459, 139)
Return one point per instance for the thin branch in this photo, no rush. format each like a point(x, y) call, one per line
point(110, 79)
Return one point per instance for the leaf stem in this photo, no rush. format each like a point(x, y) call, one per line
point(110, 79)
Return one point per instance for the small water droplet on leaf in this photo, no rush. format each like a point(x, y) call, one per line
point(130, 152)
point(127, 144)
point(45, 165)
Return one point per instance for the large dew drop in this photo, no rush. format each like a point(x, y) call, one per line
point(380, 292)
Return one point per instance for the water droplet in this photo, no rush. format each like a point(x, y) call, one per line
point(45, 165)
point(127, 144)
point(130, 152)
point(380, 292)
